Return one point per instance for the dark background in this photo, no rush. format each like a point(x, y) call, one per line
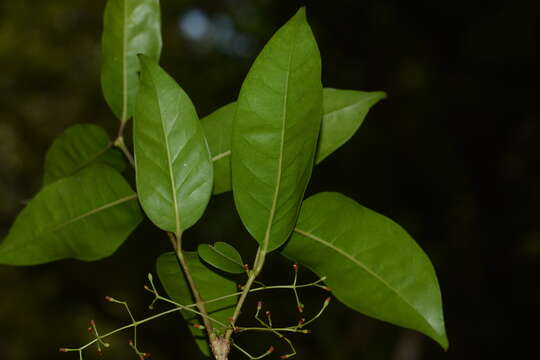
point(452, 155)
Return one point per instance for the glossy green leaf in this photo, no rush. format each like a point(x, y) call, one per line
point(218, 130)
point(211, 286)
point(130, 27)
point(86, 217)
point(79, 146)
point(173, 165)
point(371, 264)
point(222, 256)
point(275, 132)
point(343, 113)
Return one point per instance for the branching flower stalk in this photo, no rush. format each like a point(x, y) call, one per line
point(101, 344)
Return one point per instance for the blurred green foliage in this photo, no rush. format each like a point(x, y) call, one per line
point(452, 155)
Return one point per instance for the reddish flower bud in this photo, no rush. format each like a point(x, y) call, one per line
point(108, 298)
point(62, 350)
point(295, 267)
point(259, 305)
point(270, 349)
point(246, 267)
point(90, 329)
point(285, 356)
point(198, 326)
point(300, 308)
point(327, 300)
point(92, 323)
point(301, 321)
point(327, 288)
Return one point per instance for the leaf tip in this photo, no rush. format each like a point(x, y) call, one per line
point(300, 15)
point(443, 341)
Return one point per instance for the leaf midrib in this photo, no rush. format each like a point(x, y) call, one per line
point(364, 267)
point(94, 211)
point(124, 64)
point(266, 240)
point(354, 104)
point(169, 163)
point(91, 158)
point(225, 256)
point(73, 220)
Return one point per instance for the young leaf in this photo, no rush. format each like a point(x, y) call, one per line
point(343, 113)
point(218, 130)
point(173, 165)
point(79, 146)
point(371, 264)
point(211, 286)
point(130, 27)
point(86, 217)
point(275, 132)
point(222, 256)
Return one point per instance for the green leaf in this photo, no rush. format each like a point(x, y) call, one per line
point(343, 113)
point(370, 262)
point(222, 256)
point(79, 146)
point(211, 286)
point(173, 165)
point(275, 132)
point(86, 217)
point(130, 27)
point(218, 130)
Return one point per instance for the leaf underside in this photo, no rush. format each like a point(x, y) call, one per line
point(371, 264)
point(130, 27)
point(210, 284)
point(275, 132)
point(218, 130)
point(173, 167)
point(85, 217)
point(222, 256)
point(79, 146)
